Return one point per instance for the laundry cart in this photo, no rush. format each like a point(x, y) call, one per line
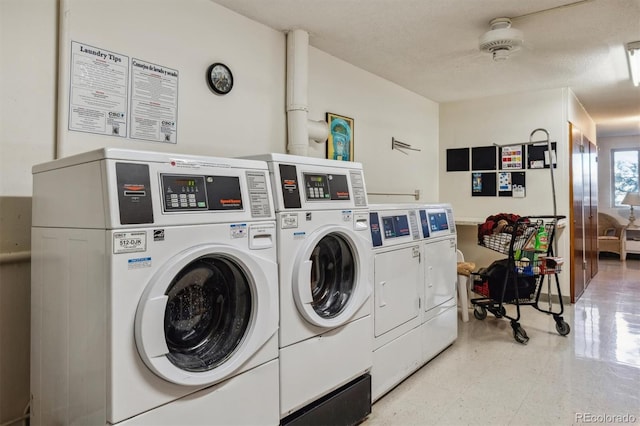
point(520, 278)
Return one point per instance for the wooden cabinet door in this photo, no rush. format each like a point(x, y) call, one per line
point(578, 281)
point(592, 230)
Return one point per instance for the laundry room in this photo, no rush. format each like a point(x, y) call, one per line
point(156, 142)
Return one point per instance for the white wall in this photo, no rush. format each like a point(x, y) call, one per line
point(580, 118)
point(507, 119)
point(381, 110)
point(605, 199)
point(27, 127)
point(27, 90)
point(187, 36)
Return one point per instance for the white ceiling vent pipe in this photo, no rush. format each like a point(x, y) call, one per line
point(301, 130)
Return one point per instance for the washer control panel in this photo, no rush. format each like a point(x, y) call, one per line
point(184, 192)
point(195, 193)
point(326, 187)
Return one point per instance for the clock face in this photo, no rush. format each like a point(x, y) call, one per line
point(220, 78)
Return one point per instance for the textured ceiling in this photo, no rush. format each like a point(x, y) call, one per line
point(431, 46)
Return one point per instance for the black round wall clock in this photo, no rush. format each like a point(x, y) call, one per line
point(220, 78)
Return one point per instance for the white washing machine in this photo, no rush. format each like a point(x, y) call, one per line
point(154, 291)
point(398, 292)
point(439, 327)
point(324, 251)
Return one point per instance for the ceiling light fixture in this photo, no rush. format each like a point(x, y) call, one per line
point(633, 54)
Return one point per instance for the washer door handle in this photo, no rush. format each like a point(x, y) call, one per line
point(151, 327)
point(304, 282)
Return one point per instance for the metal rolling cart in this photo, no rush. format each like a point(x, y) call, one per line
point(521, 272)
point(519, 278)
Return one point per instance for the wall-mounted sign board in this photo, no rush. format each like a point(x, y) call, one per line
point(538, 156)
point(512, 157)
point(483, 158)
point(511, 184)
point(483, 184)
point(458, 160)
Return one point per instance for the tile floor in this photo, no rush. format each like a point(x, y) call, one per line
point(487, 378)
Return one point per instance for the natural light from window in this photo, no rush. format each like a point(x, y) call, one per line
point(625, 174)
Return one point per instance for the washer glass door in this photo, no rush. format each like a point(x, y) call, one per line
point(332, 275)
point(207, 313)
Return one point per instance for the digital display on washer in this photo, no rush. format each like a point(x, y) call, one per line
point(200, 193)
point(438, 221)
point(326, 187)
point(395, 226)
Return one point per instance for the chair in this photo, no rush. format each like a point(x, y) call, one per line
point(464, 270)
point(611, 236)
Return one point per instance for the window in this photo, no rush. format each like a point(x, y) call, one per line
point(626, 176)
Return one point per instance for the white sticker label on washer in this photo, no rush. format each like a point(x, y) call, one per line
point(238, 230)
point(299, 235)
point(347, 215)
point(141, 262)
point(289, 220)
point(129, 242)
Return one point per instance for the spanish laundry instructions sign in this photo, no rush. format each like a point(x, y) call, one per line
point(154, 102)
point(98, 92)
point(114, 96)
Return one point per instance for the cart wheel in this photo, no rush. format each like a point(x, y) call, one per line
point(562, 328)
point(519, 334)
point(480, 312)
point(500, 312)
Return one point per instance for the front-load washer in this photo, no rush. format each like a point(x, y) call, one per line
point(440, 321)
point(154, 291)
point(398, 293)
point(324, 251)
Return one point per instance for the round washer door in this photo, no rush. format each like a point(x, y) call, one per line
point(205, 314)
point(331, 277)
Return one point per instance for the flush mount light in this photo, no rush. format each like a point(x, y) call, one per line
point(633, 54)
point(501, 40)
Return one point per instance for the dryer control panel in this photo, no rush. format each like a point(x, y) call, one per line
point(437, 222)
point(393, 227)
